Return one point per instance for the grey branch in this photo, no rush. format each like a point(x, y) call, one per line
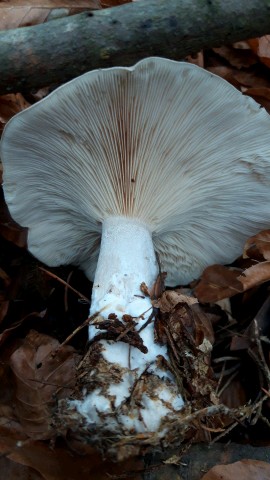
point(57, 51)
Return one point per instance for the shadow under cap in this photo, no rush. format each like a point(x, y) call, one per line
point(164, 142)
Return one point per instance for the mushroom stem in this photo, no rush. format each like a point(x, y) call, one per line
point(129, 390)
point(127, 258)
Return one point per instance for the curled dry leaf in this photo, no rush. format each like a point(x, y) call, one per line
point(43, 375)
point(218, 282)
point(261, 46)
point(190, 337)
point(258, 246)
point(170, 298)
point(255, 275)
point(242, 470)
point(159, 286)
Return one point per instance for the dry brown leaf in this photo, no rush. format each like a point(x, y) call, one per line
point(10, 105)
point(21, 13)
point(13, 471)
point(261, 92)
point(218, 282)
point(261, 46)
point(249, 82)
point(251, 78)
point(193, 322)
point(61, 463)
point(228, 73)
point(258, 246)
point(255, 275)
point(237, 57)
point(43, 374)
point(190, 337)
point(170, 298)
point(242, 470)
point(261, 95)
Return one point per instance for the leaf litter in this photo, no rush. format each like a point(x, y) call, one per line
point(219, 356)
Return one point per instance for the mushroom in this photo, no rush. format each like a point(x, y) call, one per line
point(163, 158)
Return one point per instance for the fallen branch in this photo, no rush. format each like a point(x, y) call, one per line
point(59, 50)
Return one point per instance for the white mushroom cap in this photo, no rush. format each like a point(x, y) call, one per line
point(165, 142)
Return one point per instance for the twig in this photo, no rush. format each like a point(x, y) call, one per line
point(60, 280)
point(78, 329)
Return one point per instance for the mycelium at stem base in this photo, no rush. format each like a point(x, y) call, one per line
point(129, 391)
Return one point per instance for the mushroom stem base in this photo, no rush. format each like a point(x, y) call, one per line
point(129, 388)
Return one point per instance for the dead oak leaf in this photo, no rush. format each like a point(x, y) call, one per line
point(44, 373)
